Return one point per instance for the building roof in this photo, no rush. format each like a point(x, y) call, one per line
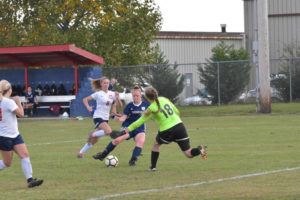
point(199, 35)
point(48, 55)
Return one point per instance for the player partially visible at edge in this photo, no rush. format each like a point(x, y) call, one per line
point(105, 102)
point(171, 128)
point(131, 113)
point(10, 138)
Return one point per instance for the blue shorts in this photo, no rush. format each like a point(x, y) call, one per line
point(7, 144)
point(133, 133)
point(98, 121)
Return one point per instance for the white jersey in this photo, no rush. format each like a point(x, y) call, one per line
point(104, 101)
point(8, 119)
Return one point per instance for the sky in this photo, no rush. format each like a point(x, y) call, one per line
point(202, 15)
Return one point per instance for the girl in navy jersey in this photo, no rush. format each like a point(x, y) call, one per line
point(105, 102)
point(131, 113)
point(10, 138)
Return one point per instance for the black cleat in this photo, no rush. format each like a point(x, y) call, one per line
point(115, 134)
point(100, 156)
point(132, 162)
point(34, 182)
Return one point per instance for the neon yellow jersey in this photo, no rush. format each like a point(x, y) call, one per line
point(166, 118)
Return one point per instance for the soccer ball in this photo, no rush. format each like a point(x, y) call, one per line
point(111, 161)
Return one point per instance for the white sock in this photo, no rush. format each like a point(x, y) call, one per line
point(27, 168)
point(86, 148)
point(2, 165)
point(98, 133)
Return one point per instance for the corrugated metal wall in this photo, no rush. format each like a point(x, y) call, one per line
point(284, 28)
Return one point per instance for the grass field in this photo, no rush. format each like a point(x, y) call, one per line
point(244, 149)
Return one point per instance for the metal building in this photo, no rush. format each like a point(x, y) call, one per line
point(193, 47)
point(284, 27)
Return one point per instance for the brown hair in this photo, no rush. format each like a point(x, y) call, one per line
point(96, 83)
point(4, 87)
point(136, 87)
point(152, 94)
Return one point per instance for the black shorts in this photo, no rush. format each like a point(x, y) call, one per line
point(176, 134)
point(7, 144)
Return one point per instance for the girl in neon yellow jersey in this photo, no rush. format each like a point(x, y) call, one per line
point(171, 128)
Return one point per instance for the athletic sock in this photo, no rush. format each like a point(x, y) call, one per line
point(98, 133)
point(195, 152)
point(136, 152)
point(2, 165)
point(86, 148)
point(109, 148)
point(26, 166)
point(154, 158)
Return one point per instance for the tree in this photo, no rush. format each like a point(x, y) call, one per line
point(118, 30)
point(281, 81)
point(233, 76)
point(165, 78)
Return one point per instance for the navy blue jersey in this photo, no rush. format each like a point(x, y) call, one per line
point(134, 112)
point(30, 97)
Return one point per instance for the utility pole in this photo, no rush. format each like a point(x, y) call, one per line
point(263, 56)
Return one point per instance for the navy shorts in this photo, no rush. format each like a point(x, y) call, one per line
point(7, 144)
point(176, 134)
point(133, 133)
point(98, 121)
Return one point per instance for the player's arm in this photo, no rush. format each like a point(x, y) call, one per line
point(145, 117)
point(119, 102)
point(86, 103)
point(36, 100)
point(19, 111)
point(121, 118)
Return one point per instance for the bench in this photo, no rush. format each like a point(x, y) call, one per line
point(67, 99)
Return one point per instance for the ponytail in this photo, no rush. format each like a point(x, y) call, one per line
point(152, 94)
point(96, 84)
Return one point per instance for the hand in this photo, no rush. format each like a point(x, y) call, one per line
point(90, 108)
point(117, 95)
point(126, 130)
point(117, 118)
point(17, 100)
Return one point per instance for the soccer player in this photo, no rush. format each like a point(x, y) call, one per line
point(105, 102)
point(10, 138)
point(31, 101)
point(131, 113)
point(171, 128)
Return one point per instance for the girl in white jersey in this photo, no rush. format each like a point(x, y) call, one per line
point(105, 102)
point(10, 138)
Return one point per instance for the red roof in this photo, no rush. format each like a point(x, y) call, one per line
point(49, 55)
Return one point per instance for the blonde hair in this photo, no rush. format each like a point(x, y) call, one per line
point(152, 94)
point(4, 87)
point(96, 83)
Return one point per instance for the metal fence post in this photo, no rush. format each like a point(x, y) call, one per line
point(290, 74)
point(219, 94)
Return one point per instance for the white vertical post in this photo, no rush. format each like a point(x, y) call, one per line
point(263, 56)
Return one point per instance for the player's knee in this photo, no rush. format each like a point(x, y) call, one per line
point(7, 163)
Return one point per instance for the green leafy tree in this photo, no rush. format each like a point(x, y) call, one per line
point(120, 31)
point(281, 81)
point(233, 76)
point(166, 79)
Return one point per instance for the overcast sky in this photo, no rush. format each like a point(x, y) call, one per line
point(202, 15)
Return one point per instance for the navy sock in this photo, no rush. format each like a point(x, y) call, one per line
point(109, 148)
point(136, 152)
point(195, 152)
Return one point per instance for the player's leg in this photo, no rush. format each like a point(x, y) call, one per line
point(110, 147)
point(139, 142)
point(154, 156)
point(23, 153)
point(6, 161)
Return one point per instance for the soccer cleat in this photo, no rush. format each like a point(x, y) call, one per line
point(90, 138)
point(115, 134)
point(203, 152)
point(80, 155)
point(152, 169)
point(132, 162)
point(34, 182)
point(100, 156)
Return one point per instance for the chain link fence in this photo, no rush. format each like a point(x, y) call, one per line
point(215, 83)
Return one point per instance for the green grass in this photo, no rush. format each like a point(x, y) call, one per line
point(239, 142)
